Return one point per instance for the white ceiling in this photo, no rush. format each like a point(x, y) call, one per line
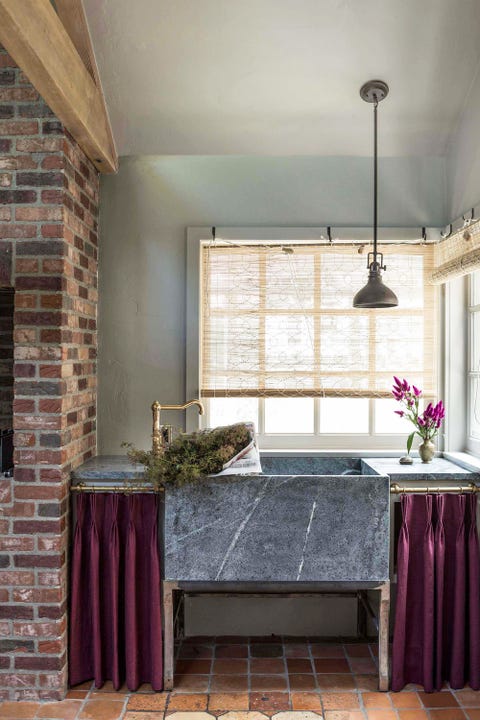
point(281, 77)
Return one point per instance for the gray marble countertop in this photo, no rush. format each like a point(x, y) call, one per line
point(114, 468)
point(107, 468)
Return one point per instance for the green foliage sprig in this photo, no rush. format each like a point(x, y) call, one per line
point(191, 456)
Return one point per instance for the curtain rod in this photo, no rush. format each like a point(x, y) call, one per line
point(127, 489)
point(397, 489)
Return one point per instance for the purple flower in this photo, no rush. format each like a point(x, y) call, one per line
point(399, 412)
point(416, 391)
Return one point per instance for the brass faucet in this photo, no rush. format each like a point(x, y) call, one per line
point(162, 434)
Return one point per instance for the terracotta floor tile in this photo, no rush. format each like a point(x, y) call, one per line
point(340, 701)
point(191, 683)
point(335, 683)
point(269, 702)
point(376, 700)
point(145, 688)
point(194, 667)
point(267, 666)
point(326, 650)
point(229, 683)
point(144, 701)
point(296, 650)
point(306, 701)
point(196, 651)
point(415, 714)
point(364, 666)
point(331, 665)
point(99, 710)
point(140, 715)
point(64, 709)
point(268, 682)
point(21, 710)
point(447, 714)
point(298, 665)
point(230, 666)
point(231, 651)
point(192, 703)
point(75, 695)
point(468, 698)
point(344, 715)
point(266, 650)
point(405, 700)
point(473, 713)
point(381, 715)
point(107, 687)
point(357, 650)
point(302, 682)
point(88, 685)
point(366, 683)
point(228, 701)
point(438, 699)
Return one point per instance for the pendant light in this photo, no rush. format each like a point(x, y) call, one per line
point(375, 294)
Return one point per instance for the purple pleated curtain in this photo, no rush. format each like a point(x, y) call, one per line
point(115, 618)
point(437, 620)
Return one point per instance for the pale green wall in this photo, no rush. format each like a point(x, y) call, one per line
point(145, 211)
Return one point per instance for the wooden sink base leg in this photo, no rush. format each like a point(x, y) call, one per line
point(168, 635)
point(383, 637)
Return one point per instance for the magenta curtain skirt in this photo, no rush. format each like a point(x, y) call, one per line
point(115, 618)
point(437, 620)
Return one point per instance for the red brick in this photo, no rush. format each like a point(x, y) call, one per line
point(50, 405)
point(52, 231)
point(18, 127)
point(39, 213)
point(39, 144)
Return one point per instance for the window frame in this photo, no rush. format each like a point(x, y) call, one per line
point(473, 441)
point(370, 441)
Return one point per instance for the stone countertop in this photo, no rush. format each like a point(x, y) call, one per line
point(115, 468)
point(107, 469)
point(439, 469)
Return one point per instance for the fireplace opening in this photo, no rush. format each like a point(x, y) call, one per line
point(7, 303)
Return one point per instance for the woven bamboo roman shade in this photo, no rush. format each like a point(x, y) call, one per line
point(458, 254)
point(280, 322)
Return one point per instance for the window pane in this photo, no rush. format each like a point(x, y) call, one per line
point(387, 422)
point(475, 407)
point(475, 342)
point(289, 281)
point(289, 415)
point(227, 411)
point(288, 343)
point(399, 344)
point(404, 275)
point(344, 343)
point(475, 285)
point(341, 276)
point(344, 415)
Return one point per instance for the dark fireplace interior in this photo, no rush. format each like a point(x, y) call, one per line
point(6, 379)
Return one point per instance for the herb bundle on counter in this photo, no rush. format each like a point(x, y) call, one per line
point(191, 456)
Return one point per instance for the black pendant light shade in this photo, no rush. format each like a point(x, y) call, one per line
point(375, 294)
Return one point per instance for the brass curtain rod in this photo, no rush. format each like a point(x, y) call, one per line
point(127, 489)
point(397, 489)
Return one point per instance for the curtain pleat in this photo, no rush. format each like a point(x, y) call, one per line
point(115, 623)
point(437, 620)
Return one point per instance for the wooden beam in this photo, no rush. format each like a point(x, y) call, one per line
point(35, 37)
point(74, 20)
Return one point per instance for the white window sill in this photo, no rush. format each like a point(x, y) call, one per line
point(465, 460)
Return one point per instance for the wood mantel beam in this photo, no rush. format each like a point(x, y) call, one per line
point(35, 37)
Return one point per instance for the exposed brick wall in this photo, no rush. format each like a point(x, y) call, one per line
point(48, 254)
point(6, 358)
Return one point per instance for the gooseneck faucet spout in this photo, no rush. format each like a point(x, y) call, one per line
point(161, 435)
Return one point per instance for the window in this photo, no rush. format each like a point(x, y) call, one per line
point(473, 393)
point(280, 343)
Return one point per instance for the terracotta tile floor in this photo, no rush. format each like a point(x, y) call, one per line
point(299, 679)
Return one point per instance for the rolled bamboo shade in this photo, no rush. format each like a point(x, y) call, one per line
point(280, 322)
point(458, 254)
